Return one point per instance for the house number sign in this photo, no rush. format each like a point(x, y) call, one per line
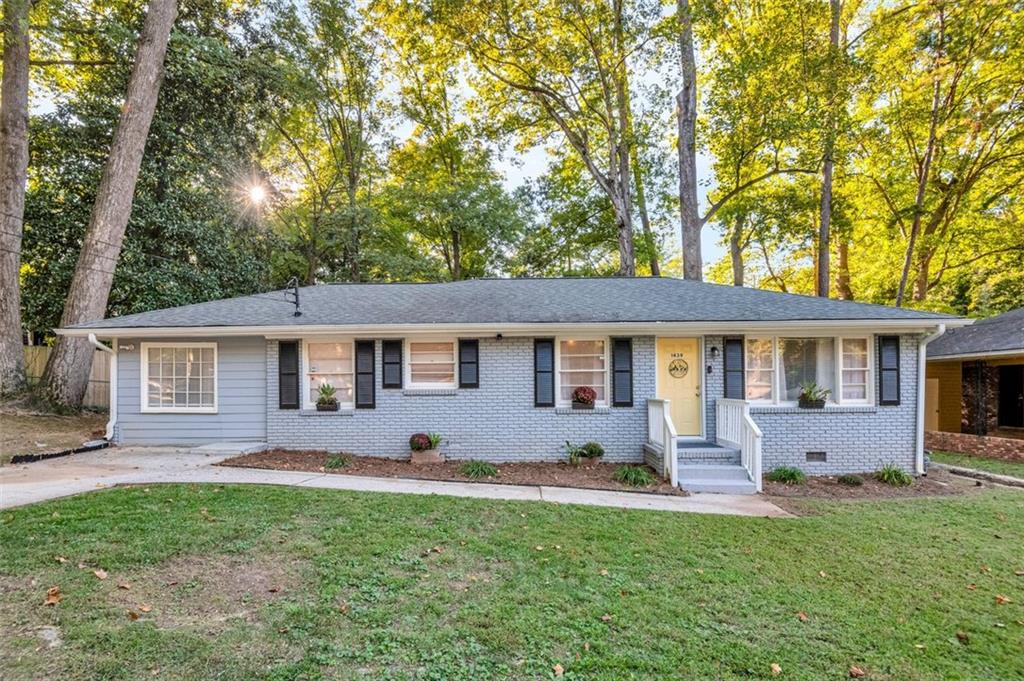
point(678, 367)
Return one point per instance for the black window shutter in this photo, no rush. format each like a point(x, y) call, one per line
point(622, 372)
point(288, 375)
point(469, 363)
point(391, 361)
point(889, 370)
point(732, 360)
point(365, 398)
point(543, 372)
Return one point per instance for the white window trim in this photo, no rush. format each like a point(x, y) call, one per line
point(306, 386)
point(409, 384)
point(144, 406)
point(836, 397)
point(559, 402)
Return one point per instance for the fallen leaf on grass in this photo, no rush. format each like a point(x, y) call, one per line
point(776, 669)
point(557, 669)
point(1002, 600)
point(101, 573)
point(274, 589)
point(586, 646)
point(856, 671)
point(53, 596)
point(606, 618)
point(802, 615)
point(604, 573)
point(823, 574)
point(124, 585)
point(60, 559)
point(963, 637)
point(145, 608)
point(343, 608)
point(539, 548)
point(132, 615)
point(1019, 573)
point(986, 569)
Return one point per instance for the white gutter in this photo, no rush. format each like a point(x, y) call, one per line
point(922, 364)
point(112, 420)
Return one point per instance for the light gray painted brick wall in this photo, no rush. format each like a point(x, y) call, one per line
point(496, 421)
point(855, 439)
point(241, 396)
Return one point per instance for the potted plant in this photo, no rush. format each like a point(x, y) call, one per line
point(326, 401)
point(584, 397)
point(424, 448)
point(812, 395)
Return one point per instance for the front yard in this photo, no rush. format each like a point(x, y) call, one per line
point(27, 432)
point(240, 582)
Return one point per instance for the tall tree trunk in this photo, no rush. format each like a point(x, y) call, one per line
point(924, 169)
point(843, 289)
point(823, 282)
point(686, 118)
point(13, 170)
point(67, 372)
point(736, 251)
point(622, 156)
point(456, 255)
point(641, 196)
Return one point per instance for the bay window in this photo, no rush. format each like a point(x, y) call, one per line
point(582, 363)
point(329, 363)
point(179, 377)
point(776, 367)
point(431, 364)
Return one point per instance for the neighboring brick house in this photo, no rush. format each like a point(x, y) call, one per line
point(700, 380)
point(975, 388)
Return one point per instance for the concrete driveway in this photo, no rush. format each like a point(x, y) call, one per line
point(90, 471)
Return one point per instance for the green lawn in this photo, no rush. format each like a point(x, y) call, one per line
point(977, 462)
point(282, 583)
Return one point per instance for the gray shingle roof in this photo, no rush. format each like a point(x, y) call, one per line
point(498, 301)
point(1001, 333)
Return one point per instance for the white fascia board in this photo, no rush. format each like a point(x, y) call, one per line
point(977, 355)
point(806, 327)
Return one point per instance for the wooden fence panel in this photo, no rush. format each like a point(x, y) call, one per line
point(97, 394)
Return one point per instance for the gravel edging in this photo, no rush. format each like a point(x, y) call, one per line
point(1007, 480)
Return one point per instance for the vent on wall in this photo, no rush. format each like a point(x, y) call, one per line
point(816, 457)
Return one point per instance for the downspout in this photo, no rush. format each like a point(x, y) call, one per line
point(922, 365)
point(109, 436)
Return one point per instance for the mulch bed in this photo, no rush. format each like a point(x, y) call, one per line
point(585, 476)
point(937, 483)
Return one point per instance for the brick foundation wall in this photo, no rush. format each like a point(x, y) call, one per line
point(985, 446)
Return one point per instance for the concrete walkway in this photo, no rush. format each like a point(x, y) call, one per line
point(86, 472)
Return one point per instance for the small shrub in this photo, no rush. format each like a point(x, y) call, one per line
point(787, 475)
point(592, 450)
point(335, 461)
point(479, 469)
point(635, 476)
point(891, 474)
point(420, 442)
point(850, 480)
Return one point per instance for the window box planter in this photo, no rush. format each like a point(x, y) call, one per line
point(327, 406)
point(805, 403)
point(582, 405)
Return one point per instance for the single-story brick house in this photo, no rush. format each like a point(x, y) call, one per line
point(975, 388)
point(702, 380)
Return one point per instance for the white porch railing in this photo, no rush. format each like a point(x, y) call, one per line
point(735, 427)
point(661, 436)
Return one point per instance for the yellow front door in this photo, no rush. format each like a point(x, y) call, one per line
point(679, 381)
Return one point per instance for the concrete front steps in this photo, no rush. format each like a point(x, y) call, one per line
point(708, 467)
